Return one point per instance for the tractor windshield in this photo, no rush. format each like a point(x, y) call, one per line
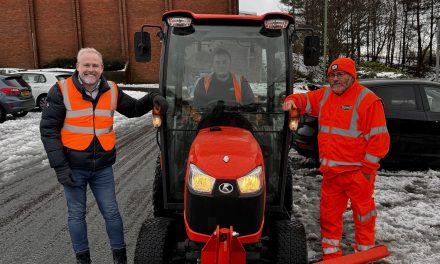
point(238, 69)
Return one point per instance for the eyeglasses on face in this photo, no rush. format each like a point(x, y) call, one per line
point(338, 74)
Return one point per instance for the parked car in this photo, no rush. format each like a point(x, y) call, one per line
point(15, 97)
point(412, 110)
point(41, 82)
point(10, 70)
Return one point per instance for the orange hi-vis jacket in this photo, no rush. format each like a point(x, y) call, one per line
point(83, 122)
point(352, 128)
point(236, 80)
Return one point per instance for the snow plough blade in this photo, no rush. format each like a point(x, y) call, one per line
point(360, 257)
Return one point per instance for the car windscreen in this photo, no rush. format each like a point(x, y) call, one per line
point(238, 69)
point(15, 81)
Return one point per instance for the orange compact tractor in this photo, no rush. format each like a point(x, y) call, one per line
point(222, 190)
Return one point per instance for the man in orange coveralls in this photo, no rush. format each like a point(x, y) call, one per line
point(352, 139)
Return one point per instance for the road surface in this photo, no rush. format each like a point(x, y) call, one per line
point(33, 216)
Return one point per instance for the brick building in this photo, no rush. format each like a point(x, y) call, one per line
point(36, 32)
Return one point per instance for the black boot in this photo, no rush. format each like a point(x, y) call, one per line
point(119, 256)
point(83, 257)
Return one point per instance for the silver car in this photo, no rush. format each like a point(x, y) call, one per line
point(40, 82)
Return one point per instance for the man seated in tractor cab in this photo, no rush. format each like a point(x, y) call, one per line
point(222, 84)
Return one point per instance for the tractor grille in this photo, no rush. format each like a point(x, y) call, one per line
point(204, 213)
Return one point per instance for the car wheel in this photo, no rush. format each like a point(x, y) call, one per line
point(41, 102)
point(20, 114)
point(2, 115)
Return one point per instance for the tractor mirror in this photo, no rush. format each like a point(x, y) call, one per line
point(311, 50)
point(142, 46)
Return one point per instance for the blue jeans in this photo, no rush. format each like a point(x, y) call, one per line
point(102, 184)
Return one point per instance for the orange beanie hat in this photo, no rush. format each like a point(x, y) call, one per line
point(343, 64)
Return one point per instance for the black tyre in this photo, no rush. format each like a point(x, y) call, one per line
point(20, 114)
point(156, 241)
point(2, 115)
point(41, 101)
point(289, 242)
point(158, 209)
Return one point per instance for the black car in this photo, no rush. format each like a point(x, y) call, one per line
point(15, 97)
point(412, 109)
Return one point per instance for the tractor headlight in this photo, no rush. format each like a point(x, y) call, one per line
point(276, 23)
point(251, 182)
point(179, 21)
point(199, 181)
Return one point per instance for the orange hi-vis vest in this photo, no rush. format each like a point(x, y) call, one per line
point(235, 81)
point(82, 122)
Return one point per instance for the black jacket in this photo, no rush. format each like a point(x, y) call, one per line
point(94, 157)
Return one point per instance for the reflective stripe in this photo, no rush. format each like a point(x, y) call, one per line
point(334, 163)
point(77, 113)
point(330, 250)
point(324, 98)
point(364, 247)
point(372, 158)
point(367, 216)
point(65, 95)
point(353, 133)
point(87, 130)
point(102, 131)
point(324, 129)
point(355, 115)
point(333, 242)
point(78, 129)
point(308, 105)
point(100, 112)
point(113, 95)
point(375, 131)
point(323, 161)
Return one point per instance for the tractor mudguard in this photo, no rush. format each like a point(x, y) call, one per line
point(375, 253)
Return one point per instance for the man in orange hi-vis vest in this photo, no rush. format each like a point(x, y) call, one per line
point(222, 84)
point(77, 133)
point(352, 139)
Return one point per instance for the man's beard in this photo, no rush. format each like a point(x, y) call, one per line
point(340, 87)
point(89, 79)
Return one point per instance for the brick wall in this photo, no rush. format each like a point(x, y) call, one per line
point(36, 32)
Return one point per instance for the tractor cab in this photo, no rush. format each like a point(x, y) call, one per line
point(223, 174)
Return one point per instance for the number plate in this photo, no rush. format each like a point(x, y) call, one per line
point(25, 93)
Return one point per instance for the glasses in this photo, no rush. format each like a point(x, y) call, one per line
point(336, 74)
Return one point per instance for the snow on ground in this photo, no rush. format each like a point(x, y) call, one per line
point(20, 143)
point(408, 202)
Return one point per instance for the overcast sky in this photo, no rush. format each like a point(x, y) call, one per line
point(260, 6)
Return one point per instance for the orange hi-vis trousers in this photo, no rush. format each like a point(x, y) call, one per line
point(335, 192)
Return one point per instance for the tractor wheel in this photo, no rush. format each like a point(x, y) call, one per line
point(288, 197)
point(290, 242)
point(2, 114)
point(158, 209)
point(155, 241)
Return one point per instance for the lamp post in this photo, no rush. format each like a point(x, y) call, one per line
point(325, 39)
point(437, 61)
